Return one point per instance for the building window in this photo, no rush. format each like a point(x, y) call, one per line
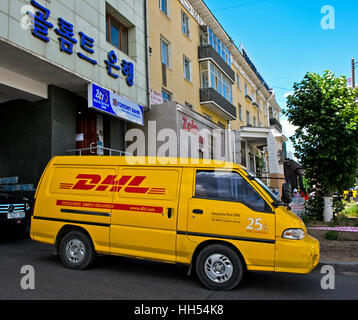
point(248, 118)
point(220, 83)
point(254, 121)
point(246, 89)
point(185, 26)
point(240, 112)
point(165, 52)
point(238, 81)
point(219, 47)
point(187, 69)
point(243, 153)
point(117, 34)
point(164, 6)
point(167, 96)
point(204, 74)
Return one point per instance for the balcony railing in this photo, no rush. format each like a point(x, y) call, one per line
point(275, 123)
point(215, 102)
point(208, 52)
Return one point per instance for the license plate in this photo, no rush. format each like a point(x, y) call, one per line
point(16, 215)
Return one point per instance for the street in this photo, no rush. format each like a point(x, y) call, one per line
point(130, 279)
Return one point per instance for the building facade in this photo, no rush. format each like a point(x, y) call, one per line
point(73, 75)
point(78, 75)
point(195, 65)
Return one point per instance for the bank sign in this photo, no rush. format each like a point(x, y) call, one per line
point(67, 41)
point(106, 101)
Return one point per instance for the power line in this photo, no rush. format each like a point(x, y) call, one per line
point(240, 5)
point(281, 88)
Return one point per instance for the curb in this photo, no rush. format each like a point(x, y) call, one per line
point(341, 266)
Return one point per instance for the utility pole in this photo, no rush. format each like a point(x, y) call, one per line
point(354, 64)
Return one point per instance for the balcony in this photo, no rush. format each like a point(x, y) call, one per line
point(207, 52)
point(275, 123)
point(248, 97)
point(216, 103)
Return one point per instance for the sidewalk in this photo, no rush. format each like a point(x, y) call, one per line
point(342, 253)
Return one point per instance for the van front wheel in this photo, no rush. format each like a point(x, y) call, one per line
point(76, 250)
point(219, 267)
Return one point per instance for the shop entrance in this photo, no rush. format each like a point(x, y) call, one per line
point(90, 132)
point(98, 134)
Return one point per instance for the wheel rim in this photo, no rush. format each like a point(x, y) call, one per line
point(218, 268)
point(75, 251)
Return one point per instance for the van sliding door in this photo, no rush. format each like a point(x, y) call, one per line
point(145, 212)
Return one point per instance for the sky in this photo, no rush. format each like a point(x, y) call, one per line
point(288, 38)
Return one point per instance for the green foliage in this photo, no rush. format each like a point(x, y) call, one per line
point(326, 141)
point(260, 164)
point(351, 210)
point(338, 204)
point(315, 205)
point(331, 235)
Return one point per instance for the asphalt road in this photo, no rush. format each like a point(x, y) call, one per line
point(130, 279)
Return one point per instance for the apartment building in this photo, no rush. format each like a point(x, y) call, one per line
point(199, 76)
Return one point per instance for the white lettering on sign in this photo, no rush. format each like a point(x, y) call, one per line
point(193, 12)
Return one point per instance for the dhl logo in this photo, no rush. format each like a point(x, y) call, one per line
point(95, 182)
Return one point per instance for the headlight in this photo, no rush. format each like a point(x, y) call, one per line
point(293, 234)
point(27, 206)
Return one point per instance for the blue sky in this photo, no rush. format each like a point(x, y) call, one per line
point(285, 39)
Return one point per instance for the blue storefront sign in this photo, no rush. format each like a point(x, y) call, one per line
point(106, 101)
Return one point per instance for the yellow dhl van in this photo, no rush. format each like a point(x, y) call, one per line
point(218, 219)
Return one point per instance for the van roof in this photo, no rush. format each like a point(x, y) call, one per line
point(145, 161)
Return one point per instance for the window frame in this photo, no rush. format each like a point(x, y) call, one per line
point(238, 81)
point(169, 95)
point(185, 58)
point(109, 18)
point(167, 7)
point(248, 120)
point(240, 112)
point(220, 82)
point(182, 16)
point(168, 44)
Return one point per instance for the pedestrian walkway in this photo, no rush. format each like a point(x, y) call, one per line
point(345, 229)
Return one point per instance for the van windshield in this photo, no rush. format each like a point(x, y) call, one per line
point(273, 196)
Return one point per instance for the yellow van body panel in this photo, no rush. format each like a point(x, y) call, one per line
point(147, 208)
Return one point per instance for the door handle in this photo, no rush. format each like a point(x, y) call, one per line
point(198, 211)
point(170, 211)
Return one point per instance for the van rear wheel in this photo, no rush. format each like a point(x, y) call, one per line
point(219, 267)
point(76, 250)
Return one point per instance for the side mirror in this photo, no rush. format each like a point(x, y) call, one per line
point(286, 193)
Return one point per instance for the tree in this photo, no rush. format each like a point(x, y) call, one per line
point(326, 141)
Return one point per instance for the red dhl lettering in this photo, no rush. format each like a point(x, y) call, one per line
point(129, 184)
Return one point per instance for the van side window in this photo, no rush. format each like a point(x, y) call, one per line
point(227, 186)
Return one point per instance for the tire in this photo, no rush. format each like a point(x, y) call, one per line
point(219, 267)
point(76, 250)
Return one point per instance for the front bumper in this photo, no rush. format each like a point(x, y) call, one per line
point(297, 256)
